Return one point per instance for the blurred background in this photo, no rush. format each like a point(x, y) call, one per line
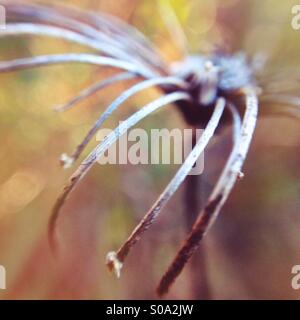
point(250, 251)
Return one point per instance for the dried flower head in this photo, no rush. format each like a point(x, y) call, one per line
point(209, 90)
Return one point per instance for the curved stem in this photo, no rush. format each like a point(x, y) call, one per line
point(94, 89)
point(118, 31)
point(120, 100)
point(91, 25)
point(61, 33)
point(87, 164)
point(172, 187)
point(58, 17)
point(198, 272)
point(218, 196)
point(26, 63)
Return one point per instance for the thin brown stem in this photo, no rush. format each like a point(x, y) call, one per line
point(219, 195)
point(106, 30)
point(15, 29)
point(176, 82)
point(150, 217)
point(86, 93)
point(91, 159)
point(192, 201)
point(39, 61)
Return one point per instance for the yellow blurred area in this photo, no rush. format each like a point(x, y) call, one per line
point(19, 191)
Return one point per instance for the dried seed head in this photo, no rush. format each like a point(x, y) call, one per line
point(213, 76)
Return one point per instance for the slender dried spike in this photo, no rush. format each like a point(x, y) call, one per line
point(26, 63)
point(135, 42)
point(172, 187)
point(47, 15)
point(101, 148)
point(101, 22)
point(120, 100)
point(60, 33)
point(34, 12)
point(94, 89)
point(119, 33)
point(120, 27)
point(219, 195)
point(62, 16)
point(58, 16)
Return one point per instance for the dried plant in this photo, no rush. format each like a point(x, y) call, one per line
point(208, 90)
